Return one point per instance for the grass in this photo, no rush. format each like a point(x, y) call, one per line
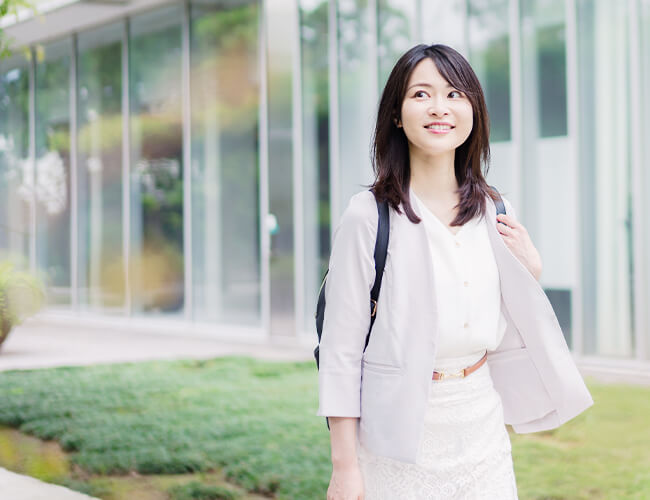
point(604, 453)
point(255, 423)
point(196, 490)
point(254, 420)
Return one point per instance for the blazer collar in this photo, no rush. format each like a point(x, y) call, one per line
point(490, 214)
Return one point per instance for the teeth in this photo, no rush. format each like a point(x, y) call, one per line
point(439, 127)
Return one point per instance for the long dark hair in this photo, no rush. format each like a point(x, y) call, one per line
point(390, 152)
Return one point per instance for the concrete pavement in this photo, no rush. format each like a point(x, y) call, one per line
point(18, 487)
point(59, 341)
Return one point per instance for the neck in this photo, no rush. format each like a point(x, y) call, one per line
point(432, 176)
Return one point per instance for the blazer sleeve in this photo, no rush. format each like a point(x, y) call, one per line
point(347, 308)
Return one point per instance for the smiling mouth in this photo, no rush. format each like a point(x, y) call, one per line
point(439, 127)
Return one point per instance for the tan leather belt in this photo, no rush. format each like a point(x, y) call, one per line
point(462, 373)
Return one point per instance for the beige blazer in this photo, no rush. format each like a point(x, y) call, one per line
point(388, 385)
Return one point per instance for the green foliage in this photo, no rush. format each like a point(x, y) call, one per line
point(95, 490)
point(52, 109)
point(228, 27)
point(21, 295)
point(198, 491)
point(10, 7)
point(255, 422)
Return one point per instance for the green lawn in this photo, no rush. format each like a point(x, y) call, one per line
point(254, 422)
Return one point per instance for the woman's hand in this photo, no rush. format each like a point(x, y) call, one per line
point(518, 241)
point(346, 483)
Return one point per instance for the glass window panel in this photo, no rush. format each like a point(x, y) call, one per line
point(15, 168)
point(543, 52)
point(489, 42)
point(315, 145)
point(645, 158)
point(561, 302)
point(551, 58)
point(396, 33)
point(444, 22)
point(53, 169)
point(357, 98)
point(549, 165)
point(99, 172)
point(225, 157)
point(156, 261)
point(281, 45)
point(603, 91)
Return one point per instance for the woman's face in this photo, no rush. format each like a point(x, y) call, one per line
point(436, 117)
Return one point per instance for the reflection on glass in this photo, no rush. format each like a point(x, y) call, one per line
point(315, 162)
point(357, 98)
point(552, 84)
point(156, 261)
point(53, 169)
point(607, 265)
point(544, 63)
point(15, 172)
point(444, 22)
point(489, 55)
point(99, 173)
point(547, 149)
point(645, 148)
point(396, 33)
point(281, 202)
point(225, 157)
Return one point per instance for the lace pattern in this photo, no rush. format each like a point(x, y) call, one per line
point(464, 453)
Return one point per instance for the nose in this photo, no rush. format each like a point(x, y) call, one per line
point(437, 106)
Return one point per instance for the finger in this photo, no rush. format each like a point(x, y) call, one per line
point(508, 235)
point(504, 228)
point(510, 221)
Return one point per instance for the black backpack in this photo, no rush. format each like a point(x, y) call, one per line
point(381, 249)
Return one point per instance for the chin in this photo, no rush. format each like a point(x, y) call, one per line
point(440, 148)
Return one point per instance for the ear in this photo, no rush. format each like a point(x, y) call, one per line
point(397, 122)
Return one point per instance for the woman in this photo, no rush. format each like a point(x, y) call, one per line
point(420, 414)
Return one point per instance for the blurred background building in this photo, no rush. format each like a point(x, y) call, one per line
point(183, 165)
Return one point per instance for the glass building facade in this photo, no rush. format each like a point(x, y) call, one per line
point(190, 160)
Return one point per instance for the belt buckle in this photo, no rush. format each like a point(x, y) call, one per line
point(458, 374)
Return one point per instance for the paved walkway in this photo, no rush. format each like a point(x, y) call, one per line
point(47, 343)
point(17, 487)
point(41, 344)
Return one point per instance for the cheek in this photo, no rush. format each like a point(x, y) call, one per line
point(408, 114)
point(468, 120)
point(468, 115)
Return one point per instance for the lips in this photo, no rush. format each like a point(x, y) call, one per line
point(439, 126)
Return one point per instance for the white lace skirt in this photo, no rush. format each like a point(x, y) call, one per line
point(465, 451)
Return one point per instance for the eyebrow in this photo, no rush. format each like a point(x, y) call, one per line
point(449, 86)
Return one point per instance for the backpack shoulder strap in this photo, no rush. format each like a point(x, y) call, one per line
point(381, 250)
point(501, 208)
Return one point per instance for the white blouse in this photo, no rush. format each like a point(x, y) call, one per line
point(468, 290)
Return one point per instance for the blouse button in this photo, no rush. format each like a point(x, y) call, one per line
point(457, 243)
point(466, 283)
point(466, 325)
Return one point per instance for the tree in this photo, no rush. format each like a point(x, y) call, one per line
point(11, 7)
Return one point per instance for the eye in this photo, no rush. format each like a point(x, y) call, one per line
point(460, 94)
point(417, 94)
